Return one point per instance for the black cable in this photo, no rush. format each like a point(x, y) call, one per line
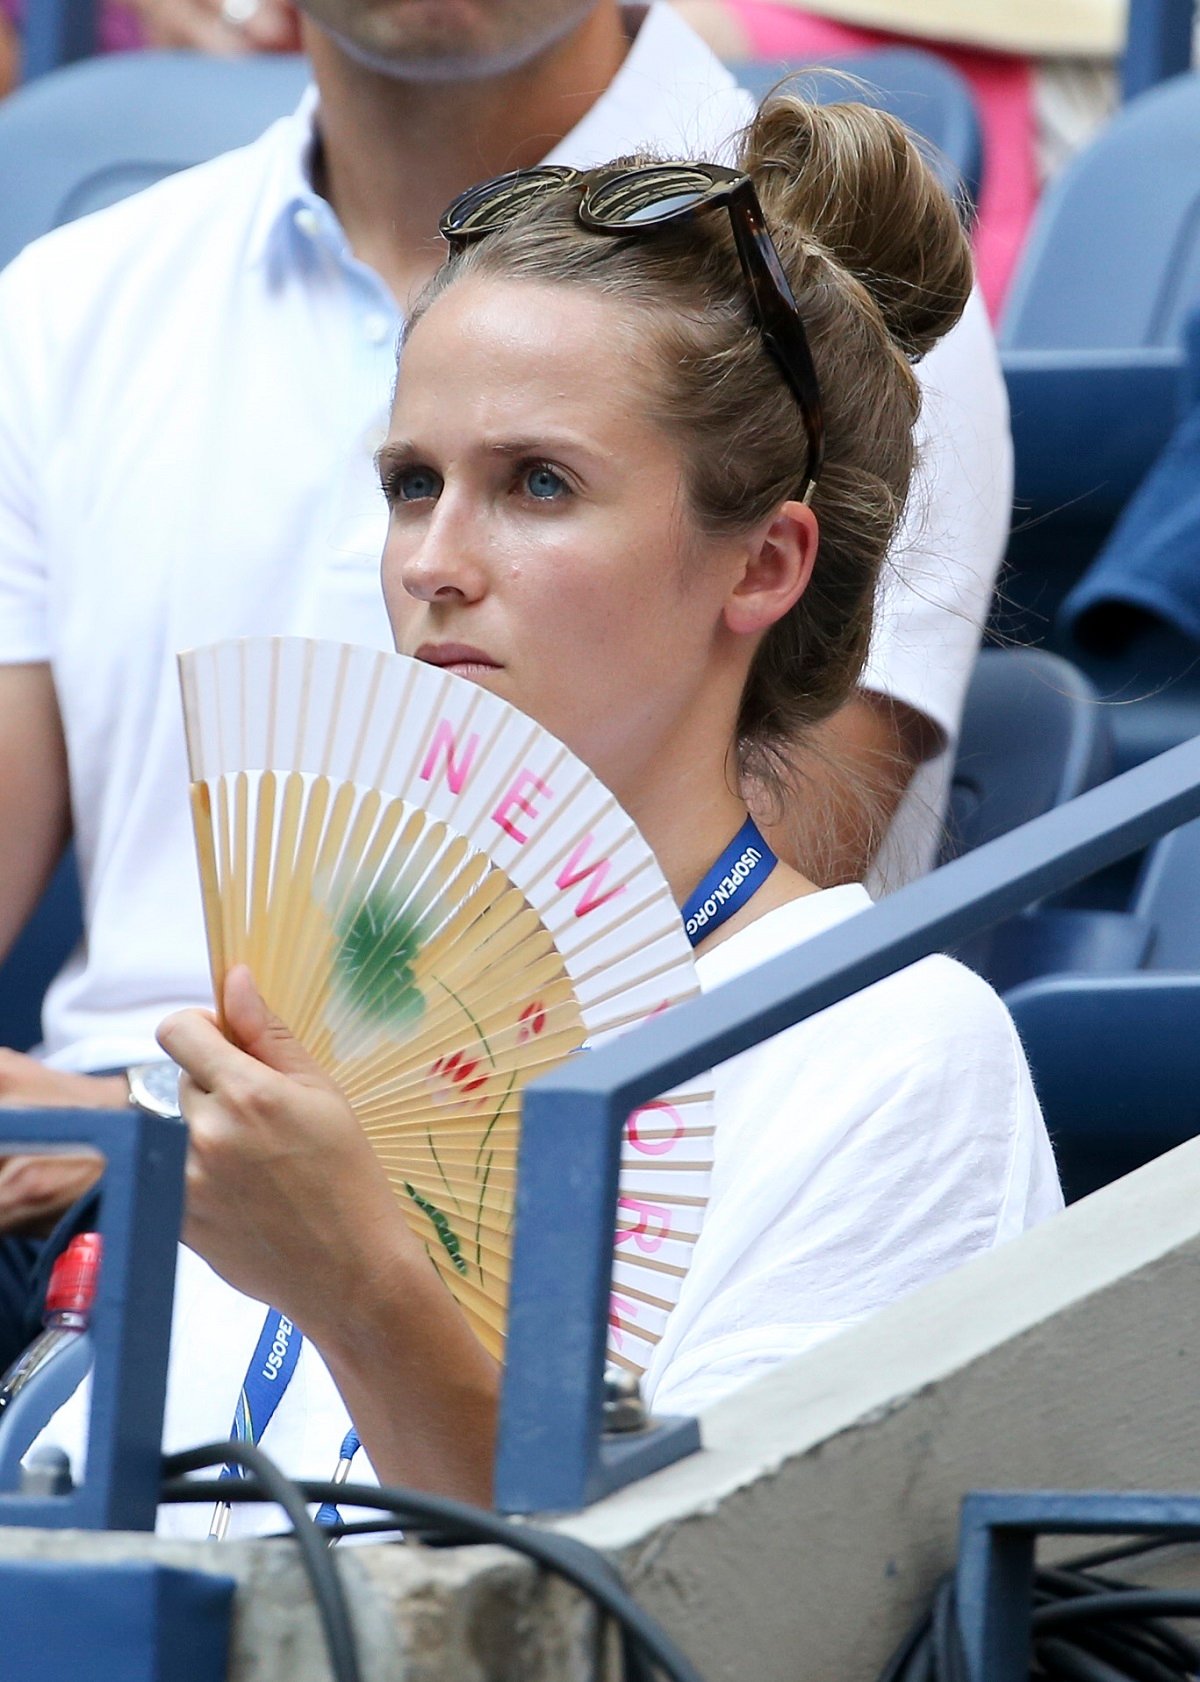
point(272, 1485)
point(1126, 1603)
point(1072, 1664)
point(1151, 1633)
point(1131, 1550)
point(1083, 1628)
point(443, 1522)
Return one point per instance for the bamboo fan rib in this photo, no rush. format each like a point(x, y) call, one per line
point(442, 903)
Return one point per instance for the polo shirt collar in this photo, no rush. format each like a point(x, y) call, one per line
point(287, 190)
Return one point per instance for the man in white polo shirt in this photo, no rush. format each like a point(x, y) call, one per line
point(192, 385)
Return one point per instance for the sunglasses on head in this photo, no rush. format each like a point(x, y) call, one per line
point(632, 201)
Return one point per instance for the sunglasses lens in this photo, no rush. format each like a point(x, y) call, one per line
point(494, 204)
point(645, 196)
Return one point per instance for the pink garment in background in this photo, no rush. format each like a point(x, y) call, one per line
point(119, 30)
point(1002, 87)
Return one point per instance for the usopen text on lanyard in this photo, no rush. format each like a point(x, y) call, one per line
point(735, 878)
point(267, 1377)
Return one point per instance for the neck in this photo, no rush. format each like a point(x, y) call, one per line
point(395, 152)
point(688, 822)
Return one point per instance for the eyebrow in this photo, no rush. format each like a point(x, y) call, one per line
point(397, 451)
point(391, 455)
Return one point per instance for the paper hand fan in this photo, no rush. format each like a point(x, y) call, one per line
point(442, 902)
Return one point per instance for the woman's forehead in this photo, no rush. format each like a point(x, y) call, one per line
point(522, 336)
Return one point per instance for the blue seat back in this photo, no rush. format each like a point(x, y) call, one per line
point(1158, 43)
point(97, 131)
point(918, 87)
point(1113, 258)
point(43, 947)
point(1033, 736)
point(56, 32)
point(1168, 898)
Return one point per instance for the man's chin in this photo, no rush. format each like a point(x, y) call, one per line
point(431, 41)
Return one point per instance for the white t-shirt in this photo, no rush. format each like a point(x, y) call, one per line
point(856, 1156)
point(192, 385)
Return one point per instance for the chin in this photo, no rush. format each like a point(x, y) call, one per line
point(442, 40)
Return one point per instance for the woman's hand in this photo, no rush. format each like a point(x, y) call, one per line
point(285, 1198)
point(271, 26)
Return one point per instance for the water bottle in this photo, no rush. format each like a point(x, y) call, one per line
point(69, 1298)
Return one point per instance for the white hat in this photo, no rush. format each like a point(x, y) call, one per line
point(1038, 28)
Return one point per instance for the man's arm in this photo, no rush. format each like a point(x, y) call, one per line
point(34, 802)
point(850, 776)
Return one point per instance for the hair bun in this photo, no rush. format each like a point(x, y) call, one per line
point(857, 181)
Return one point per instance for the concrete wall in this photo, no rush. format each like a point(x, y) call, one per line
point(797, 1546)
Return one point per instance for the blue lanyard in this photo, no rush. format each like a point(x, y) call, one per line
point(267, 1377)
point(736, 877)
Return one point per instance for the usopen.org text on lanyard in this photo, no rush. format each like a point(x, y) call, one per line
point(734, 879)
point(267, 1377)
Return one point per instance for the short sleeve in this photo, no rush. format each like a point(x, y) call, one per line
point(23, 618)
point(938, 581)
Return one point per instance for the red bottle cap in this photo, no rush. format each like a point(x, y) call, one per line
point(72, 1286)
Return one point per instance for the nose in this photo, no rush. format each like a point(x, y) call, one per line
point(438, 559)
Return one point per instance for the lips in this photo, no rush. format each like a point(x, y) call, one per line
point(458, 657)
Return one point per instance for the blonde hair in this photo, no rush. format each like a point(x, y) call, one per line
point(879, 262)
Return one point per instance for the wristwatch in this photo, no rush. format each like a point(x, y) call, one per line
point(154, 1087)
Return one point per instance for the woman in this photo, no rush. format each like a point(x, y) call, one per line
point(640, 490)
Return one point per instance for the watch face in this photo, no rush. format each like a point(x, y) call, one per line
point(155, 1087)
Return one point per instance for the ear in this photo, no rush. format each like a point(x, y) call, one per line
point(778, 565)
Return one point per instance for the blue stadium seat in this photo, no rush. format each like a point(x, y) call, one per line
point(1158, 43)
point(918, 87)
point(95, 132)
point(1095, 318)
point(1098, 372)
point(1034, 735)
point(36, 957)
point(56, 32)
point(1116, 1055)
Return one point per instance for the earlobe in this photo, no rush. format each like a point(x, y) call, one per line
point(779, 564)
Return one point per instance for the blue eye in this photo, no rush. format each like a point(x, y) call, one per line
point(414, 484)
point(545, 484)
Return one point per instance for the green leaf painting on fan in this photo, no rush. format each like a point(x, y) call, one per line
point(377, 945)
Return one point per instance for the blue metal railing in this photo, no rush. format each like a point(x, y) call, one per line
point(551, 1453)
point(997, 1535)
point(141, 1204)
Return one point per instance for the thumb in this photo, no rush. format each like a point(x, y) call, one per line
point(260, 1033)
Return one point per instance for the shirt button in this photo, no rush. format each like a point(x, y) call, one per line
point(306, 220)
point(377, 327)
